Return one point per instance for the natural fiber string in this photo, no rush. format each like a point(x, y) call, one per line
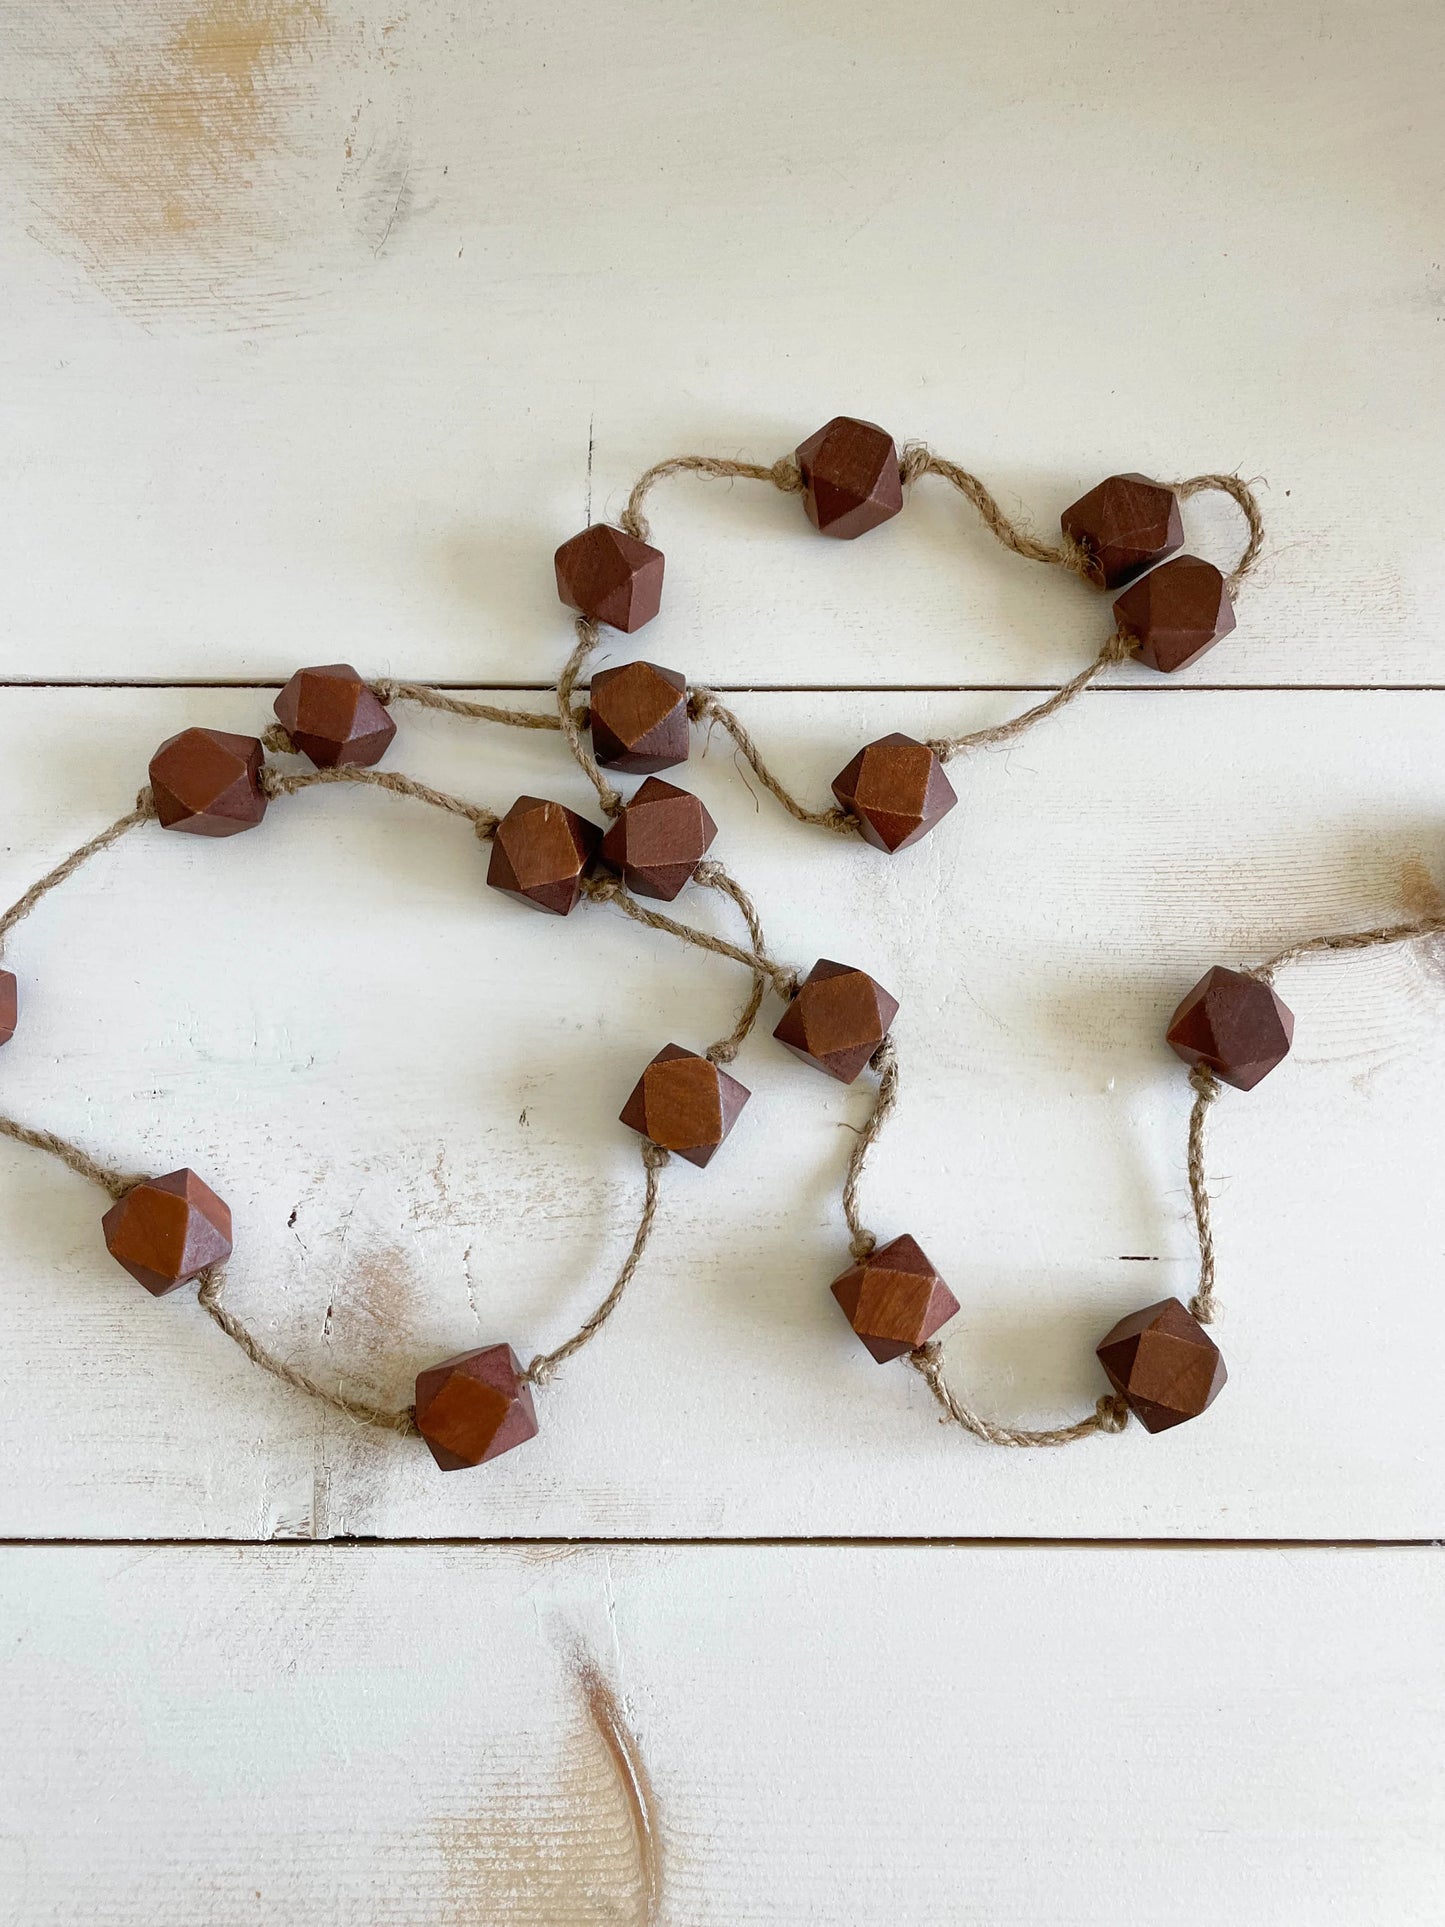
point(782, 474)
point(144, 812)
point(587, 639)
point(278, 783)
point(704, 706)
point(115, 1183)
point(388, 691)
point(1117, 649)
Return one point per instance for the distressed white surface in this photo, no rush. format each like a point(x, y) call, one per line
point(313, 308)
point(842, 1736)
point(407, 1088)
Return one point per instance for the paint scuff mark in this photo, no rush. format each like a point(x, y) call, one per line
point(605, 1712)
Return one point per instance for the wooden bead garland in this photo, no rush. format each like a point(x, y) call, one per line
point(1231, 1028)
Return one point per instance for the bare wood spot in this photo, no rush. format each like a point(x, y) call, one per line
point(621, 1743)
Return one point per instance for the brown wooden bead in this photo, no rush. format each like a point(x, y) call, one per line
point(1233, 1025)
point(894, 1299)
point(1125, 524)
point(208, 782)
point(684, 1103)
point(639, 718)
point(897, 790)
point(851, 480)
point(541, 851)
point(474, 1407)
point(659, 839)
point(837, 1020)
point(610, 576)
point(1176, 612)
point(9, 1005)
point(167, 1230)
point(1164, 1365)
point(333, 715)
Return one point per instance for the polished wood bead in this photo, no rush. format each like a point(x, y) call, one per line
point(659, 839)
point(897, 790)
point(1164, 1365)
point(1233, 1025)
point(837, 1020)
point(1125, 524)
point(333, 715)
point(474, 1407)
point(167, 1230)
point(9, 1005)
point(639, 718)
point(208, 782)
point(1176, 612)
point(851, 480)
point(684, 1103)
point(610, 576)
point(894, 1299)
point(541, 852)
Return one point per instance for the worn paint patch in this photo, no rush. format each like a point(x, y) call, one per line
point(204, 156)
point(585, 1850)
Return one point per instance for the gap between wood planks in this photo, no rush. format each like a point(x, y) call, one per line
point(787, 688)
point(543, 1542)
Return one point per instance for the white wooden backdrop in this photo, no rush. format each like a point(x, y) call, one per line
point(324, 322)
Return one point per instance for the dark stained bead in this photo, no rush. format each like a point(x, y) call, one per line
point(1163, 1364)
point(1125, 524)
point(684, 1103)
point(639, 718)
point(1233, 1025)
point(333, 715)
point(659, 839)
point(474, 1407)
point(541, 851)
point(837, 1020)
point(168, 1229)
point(1175, 613)
point(9, 1005)
point(208, 782)
point(610, 576)
point(894, 1299)
point(850, 476)
point(897, 790)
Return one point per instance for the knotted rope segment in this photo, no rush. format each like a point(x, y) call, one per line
point(915, 462)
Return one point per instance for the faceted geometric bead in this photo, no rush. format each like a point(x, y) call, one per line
point(1233, 1025)
point(474, 1407)
point(1163, 1364)
point(894, 1299)
point(334, 716)
point(167, 1230)
point(9, 1005)
point(659, 839)
point(850, 476)
point(610, 576)
point(1175, 613)
point(208, 782)
point(540, 853)
point(684, 1103)
point(1125, 523)
point(898, 791)
point(639, 718)
point(837, 1020)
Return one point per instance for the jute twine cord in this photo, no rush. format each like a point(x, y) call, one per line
point(276, 783)
point(587, 638)
point(143, 812)
point(388, 691)
point(782, 474)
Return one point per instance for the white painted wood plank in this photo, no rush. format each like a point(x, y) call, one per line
point(315, 309)
point(840, 1736)
point(407, 1088)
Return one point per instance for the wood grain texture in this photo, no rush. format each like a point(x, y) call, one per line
point(330, 318)
point(407, 1088)
point(367, 1737)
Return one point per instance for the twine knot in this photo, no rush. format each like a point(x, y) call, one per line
point(1119, 647)
point(272, 782)
point(786, 475)
point(384, 689)
point(1203, 1306)
point(862, 1244)
point(145, 801)
point(276, 738)
point(654, 1157)
point(698, 704)
point(1204, 1083)
point(1112, 1413)
point(915, 460)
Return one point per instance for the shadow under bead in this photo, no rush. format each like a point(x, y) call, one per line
point(685, 1103)
point(894, 1299)
point(333, 715)
point(1163, 1364)
point(898, 791)
point(851, 478)
point(609, 576)
point(207, 782)
point(837, 1019)
point(1124, 525)
point(638, 718)
point(168, 1230)
point(474, 1407)
point(1233, 1025)
point(541, 852)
